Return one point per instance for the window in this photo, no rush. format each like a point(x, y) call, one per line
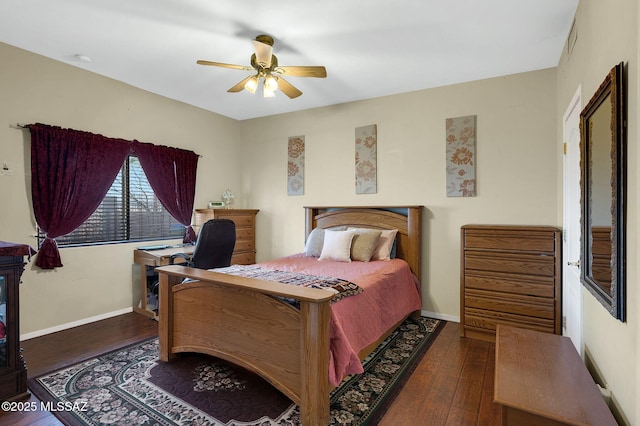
point(129, 212)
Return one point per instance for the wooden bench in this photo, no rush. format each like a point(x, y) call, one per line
point(540, 379)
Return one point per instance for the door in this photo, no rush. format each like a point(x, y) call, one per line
point(572, 288)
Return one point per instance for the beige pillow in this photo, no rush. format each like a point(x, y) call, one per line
point(385, 244)
point(337, 245)
point(364, 243)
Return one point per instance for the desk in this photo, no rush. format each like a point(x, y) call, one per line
point(153, 258)
point(540, 379)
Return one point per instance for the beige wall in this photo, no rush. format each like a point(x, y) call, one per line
point(95, 280)
point(517, 170)
point(607, 35)
point(517, 167)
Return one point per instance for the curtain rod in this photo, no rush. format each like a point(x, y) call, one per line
point(26, 126)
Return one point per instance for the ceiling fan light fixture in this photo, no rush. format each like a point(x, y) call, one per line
point(252, 84)
point(265, 64)
point(263, 47)
point(271, 83)
point(267, 93)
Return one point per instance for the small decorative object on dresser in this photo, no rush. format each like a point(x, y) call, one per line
point(13, 372)
point(228, 197)
point(510, 275)
point(245, 220)
point(216, 204)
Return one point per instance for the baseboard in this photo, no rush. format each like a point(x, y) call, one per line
point(89, 320)
point(437, 315)
point(72, 324)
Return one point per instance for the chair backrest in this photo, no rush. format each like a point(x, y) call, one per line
point(215, 244)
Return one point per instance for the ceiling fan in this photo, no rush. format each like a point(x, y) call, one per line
point(265, 65)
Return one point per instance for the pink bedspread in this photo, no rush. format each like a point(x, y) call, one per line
point(391, 292)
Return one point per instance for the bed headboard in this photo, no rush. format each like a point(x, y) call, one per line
point(406, 219)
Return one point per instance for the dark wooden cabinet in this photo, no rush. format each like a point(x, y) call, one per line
point(510, 275)
point(13, 372)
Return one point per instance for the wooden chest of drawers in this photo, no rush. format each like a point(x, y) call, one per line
point(510, 275)
point(245, 220)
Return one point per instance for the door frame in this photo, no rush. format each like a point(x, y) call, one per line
point(569, 271)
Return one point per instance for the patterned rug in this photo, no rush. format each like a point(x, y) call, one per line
point(130, 386)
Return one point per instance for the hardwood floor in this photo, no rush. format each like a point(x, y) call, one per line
point(452, 385)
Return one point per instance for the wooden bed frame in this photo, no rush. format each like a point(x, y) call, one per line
point(239, 320)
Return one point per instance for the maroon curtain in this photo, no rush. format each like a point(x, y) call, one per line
point(71, 172)
point(171, 172)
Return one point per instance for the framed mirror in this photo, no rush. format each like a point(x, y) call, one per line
point(603, 192)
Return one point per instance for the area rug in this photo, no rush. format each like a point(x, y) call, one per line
point(130, 386)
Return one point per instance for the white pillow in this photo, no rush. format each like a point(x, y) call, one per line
point(337, 246)
point(385, 244)
point(313, 246)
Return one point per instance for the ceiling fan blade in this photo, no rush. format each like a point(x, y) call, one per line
point(288, 88)
point(263, 53)
point(238, 87)
point(302, 71)
point(220, 64)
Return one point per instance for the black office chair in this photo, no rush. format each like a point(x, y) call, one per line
point(214, 246)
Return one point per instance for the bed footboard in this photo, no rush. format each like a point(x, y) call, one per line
point(239, 319)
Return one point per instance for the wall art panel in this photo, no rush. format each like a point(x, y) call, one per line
point(461, 156)
point(295, 166)
point(366, 159)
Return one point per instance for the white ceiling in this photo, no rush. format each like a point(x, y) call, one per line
point(370, 48)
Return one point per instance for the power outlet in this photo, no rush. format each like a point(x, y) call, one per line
point(6, 170)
